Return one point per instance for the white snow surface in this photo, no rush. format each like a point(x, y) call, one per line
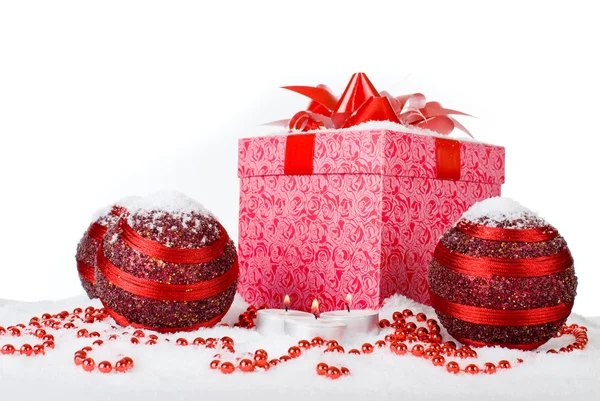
point(167, 201)
point(168, 372)
point(500, 209)
point(124, 202)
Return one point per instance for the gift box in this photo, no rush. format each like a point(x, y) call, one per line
point(352, 211)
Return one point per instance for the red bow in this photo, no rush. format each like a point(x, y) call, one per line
point(361, 102)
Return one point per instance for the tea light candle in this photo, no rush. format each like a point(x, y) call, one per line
point(309, 327)
point(271, 321)
point(359, 322)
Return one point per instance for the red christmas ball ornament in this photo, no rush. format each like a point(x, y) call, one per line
point(502, 276)
point(87, 248)
point(167, 265)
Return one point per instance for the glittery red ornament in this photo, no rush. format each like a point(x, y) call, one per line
point(502, 276)
point(88, 245)
point(141, 279)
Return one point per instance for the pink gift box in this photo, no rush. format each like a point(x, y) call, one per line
point(337, 212)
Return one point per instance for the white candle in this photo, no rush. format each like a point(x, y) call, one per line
point(271, 321)
point(359, 322)
point(308, 327)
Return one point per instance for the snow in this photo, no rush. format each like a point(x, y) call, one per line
point(105, 211)
point(499, 209)
point(167, 201)
point(167, 372)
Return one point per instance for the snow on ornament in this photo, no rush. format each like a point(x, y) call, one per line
point(502, 276)
point(87, 248)
point(168, 265)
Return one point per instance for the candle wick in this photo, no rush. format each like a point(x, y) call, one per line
point(348, 307)
point(315, 315)
point(286, 308)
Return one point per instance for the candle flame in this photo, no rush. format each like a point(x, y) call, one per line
point(286, 302)
point(314, 309)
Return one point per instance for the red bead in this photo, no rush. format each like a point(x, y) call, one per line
point(354, 351)
point(2, 331)
point(332, 343)
point(339, 349)
point(407, 313)
point(417, 350)
point(246, 365)
point(105, 367)
point(273, 362)
point(182, 342)
point(78, 358)
point(397, 316)
point(421, 332)
point(227, 368)
point(317, 342)
point(151, 342)
point(552, 351)
point(450, 344)
point(14, 331)
point(262, 306)
point(48, 344)
point(134, 340)
point(345, 371)
point(211, 341)
point(438, 360)
point(399, 348)
point(77, 311)
point(400, 335)
point(88, 364)
point(421, 317)
point(98, 343)
point(367, 348)
point(261, 352)
point(430, 353)
point(260, 360)
point(333, 373)
point(128, 361)
point(383, 323)
point(284, 358)
point(304, 344)
point(121, 366)
point(8, 349)
point(452, 367)
point(82, 333)
point(40, 333)
point(322, 369)
point(38, 349)
point(155, 337)
point(410, 327)
point(380, 344)
point(26, 350)
point(215, 364)
point(461, 353)
point(46, 316)
point(138, 333)
point(294, 352)
point(94, 334)
point(227, 340)
point(504, 364)
point(489, 368)
point(435, 338)
point(472, 369)
point(390, 338)
point(431, 323)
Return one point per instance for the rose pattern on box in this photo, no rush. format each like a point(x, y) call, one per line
point(366, 222)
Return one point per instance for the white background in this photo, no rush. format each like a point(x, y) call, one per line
point(100, 100)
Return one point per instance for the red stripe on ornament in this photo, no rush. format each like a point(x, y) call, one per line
point(123, 321)
point(487, 266)
point(174, 255)
point(538, 234)
point(500, 317)
point(86, 271)
point(166, 292)
point(97, 231)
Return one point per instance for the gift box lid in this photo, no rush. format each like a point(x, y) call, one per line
point(373, 151)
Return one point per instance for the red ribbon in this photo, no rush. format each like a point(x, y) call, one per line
point(174, 255)
point(166, 292)
point(361, 102)
point(537, 234)
point(96, 231)
point(86, 271)
point(488, 267)
point(123, 321)
point(500, 317)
